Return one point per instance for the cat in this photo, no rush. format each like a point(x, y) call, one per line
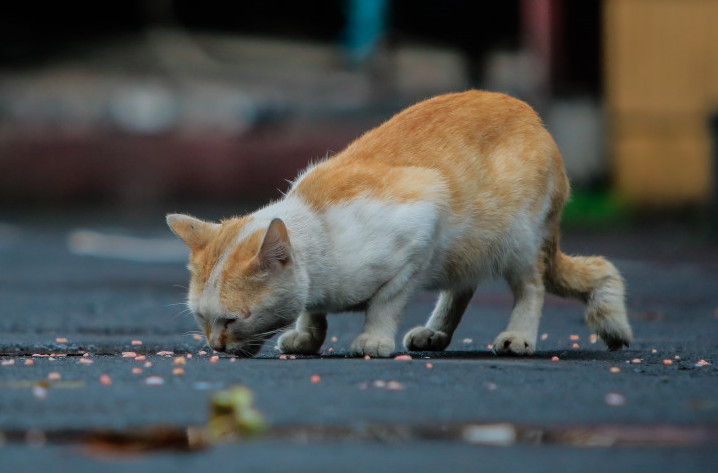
point(448, 193)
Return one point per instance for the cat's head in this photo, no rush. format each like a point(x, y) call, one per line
point(246, 283)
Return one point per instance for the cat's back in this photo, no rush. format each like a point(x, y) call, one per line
point(466, 142)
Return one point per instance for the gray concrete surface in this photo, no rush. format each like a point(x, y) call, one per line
point(50, 289)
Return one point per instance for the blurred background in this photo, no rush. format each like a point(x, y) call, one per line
point(151, 106)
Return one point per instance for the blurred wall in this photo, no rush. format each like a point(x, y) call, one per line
point(662, 88)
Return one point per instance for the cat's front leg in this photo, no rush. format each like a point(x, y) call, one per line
point(439, 329)
point(383, 315)
point(307, 336)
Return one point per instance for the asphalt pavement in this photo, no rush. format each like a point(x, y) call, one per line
point(79, 290)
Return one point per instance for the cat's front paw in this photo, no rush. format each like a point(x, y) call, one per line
point(514, 343)
point(365, 344)
point(426, 339)
point(298, 342)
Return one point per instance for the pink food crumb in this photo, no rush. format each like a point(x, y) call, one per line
point(315, 378)
point(105, 380)
point(136, 342)
point(154, 380)
point(554, 358)
point(615, 399)
point(61, 340)
point(129, 354)
point(403, 357)
point(394, 386)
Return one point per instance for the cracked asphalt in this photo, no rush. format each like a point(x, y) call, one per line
point(62, 297)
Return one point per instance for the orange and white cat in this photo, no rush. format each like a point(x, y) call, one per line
point(449, 192)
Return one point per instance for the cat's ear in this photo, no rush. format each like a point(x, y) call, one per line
point(194, 232)
point(275, 251)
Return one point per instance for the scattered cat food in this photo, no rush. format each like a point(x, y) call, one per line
point(593, 338)
point(214, 359)
point(574, 337)
point(429, 365)
point(636, 361)
point(667, 362)
point(331, 350)
point(544, 336)
point(676, 357)
point(292, 357)
point(136, 342)
point(615, 399)
point(105, 380)
point(8, 362)
point(201, 352)
point(575, 346)
point(282, 356)
point(702, 363)
point(403, 357)
point(85, 361)
point(367, 357)
point(180, 360)
point(379, 383)
point(136, 370)
point(490, 346)
point(315, 378)
point(167, 353)
point(394, 386)
point(467, 341)
point(40, 392)
point(148, 364)
point(140, 358)
point(615, 369)
point(554, 358)
point(154, 380)
point(61, 340)
point(178, 371)
point(653, 350)
point(188, 355)
point(197, 336)
point(334, 339)
point(29, 362)
point(129, 354)
point(54, 376)
point(233, 359)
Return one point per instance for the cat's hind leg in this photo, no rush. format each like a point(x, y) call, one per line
point(519, 338)
point(307, 336)
point(436, 334)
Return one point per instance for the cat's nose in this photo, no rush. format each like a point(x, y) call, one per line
point(217, 345)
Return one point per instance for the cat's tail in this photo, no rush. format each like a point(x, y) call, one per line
point(595, 281)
